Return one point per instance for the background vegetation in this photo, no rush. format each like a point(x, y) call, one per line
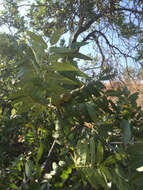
point(60, 128)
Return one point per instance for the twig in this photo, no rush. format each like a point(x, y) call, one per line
point(45, 165)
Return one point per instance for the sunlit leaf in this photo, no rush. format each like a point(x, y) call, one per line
point(27, 169)
point(62, 67)
point(13, 186)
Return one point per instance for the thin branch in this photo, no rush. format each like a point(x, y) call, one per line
point(82, 29)
point(45, 165)
point(100, 49)
point(130, 10)
point(107, 41)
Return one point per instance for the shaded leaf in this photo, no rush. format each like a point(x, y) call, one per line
point(37, 38)
point(126, 131)
point(79, 44)
point(35, 186)
point(138, 180)
point(92, 112)
point(62, 50)
point(40, 152)
point(135, 149)
point(106, 172)
point(109, 161)
point(100, 152)
point(82, 56)
point(95, 178)
point(56, 35)
point(92, 150)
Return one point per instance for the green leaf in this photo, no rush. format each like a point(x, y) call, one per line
point(37, 38)
point(106, 172)
point(82, 56)
point(92, 150)
point(55, 79)
point(89, 174)
point(13, 112)
point(26, 71)
point(37, 56)
point(40, 152)
point(56, 35)
point(120, 172)
point(135, 149)
point(62, 50)
point(113, 158)
point(126, 131)
point(92, 112)
point(13, 186)
point(81, 154)
point(35, 186)
point(94, 178)
point(69, 52)
point(139, 180)
point(100, 152)
point(27, 169)
point(64, 175)
point(78, 44)
point(62, 67)
point(109, 161)
point(38, 51)
point(37, 67)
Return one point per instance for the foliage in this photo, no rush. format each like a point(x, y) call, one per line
point(59, 127)
point(58, 132)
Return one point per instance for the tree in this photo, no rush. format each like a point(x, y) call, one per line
point(63, 137)
point(113, 26)
point(59, 128)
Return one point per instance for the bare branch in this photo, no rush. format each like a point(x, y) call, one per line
point(107, 42)
point(82, 29)
point(100, 49)
point(45, 165)
point(129, 10)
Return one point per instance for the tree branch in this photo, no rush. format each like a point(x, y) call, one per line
point(129, 10)
point(45, 165)
point(82, 29)
point(107, 42)
point(100, 49)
